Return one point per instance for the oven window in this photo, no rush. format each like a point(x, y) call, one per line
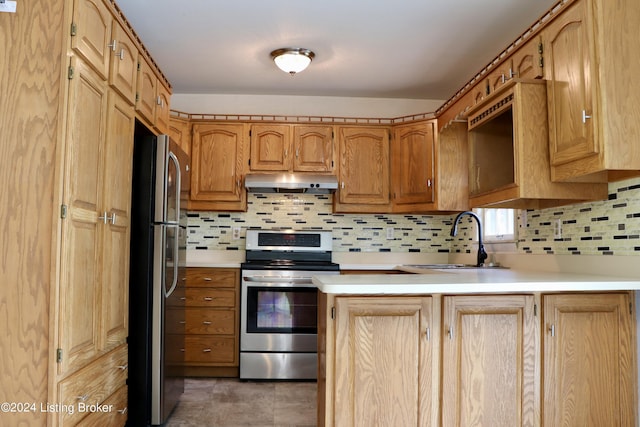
point(283, 310)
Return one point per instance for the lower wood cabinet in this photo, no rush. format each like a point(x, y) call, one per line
point(212, 322)
point(467, 360)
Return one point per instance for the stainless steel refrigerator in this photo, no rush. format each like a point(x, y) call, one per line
point(158, 258)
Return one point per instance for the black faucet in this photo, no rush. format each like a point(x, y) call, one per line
point(482, 255)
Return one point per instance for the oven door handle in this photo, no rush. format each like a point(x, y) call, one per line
point(277, 279)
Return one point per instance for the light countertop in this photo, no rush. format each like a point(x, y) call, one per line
point(465, 281)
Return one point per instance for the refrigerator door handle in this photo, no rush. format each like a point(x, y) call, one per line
point(176, 240)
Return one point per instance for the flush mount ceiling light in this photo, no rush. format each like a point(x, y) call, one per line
point(292, 60)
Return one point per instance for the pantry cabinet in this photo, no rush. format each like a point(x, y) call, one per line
point(591, 81)
point(490, 346)
point(588, 360)
point(212, 322)
point(219, 155)
point(363, 170)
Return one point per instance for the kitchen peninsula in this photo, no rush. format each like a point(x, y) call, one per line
point(484, 346)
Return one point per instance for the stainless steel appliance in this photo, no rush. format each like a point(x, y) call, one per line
point(157, 273)
point(279, 303)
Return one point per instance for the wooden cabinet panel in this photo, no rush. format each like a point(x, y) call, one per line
point(363, 170)
point(527, 62)
point(210, 350)
point(92, 385)
point(412, 165)
point(201, 321)
point(80, 298)
point(270, 147)
point(313, 147)
point(568, 61)
point(212, 278)
point(161, 118)
point(488, 358)
point(146, 91)
point(209, 297)
point(91, 34)
point(180, 131)
point(117, 417)
point(124, 64)
point(587, 358)
point(117, 203)
point(218, 161)
point(383, 362)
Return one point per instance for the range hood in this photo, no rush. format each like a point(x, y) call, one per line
point(290, 183)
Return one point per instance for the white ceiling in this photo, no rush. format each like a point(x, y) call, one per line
point(412, 49)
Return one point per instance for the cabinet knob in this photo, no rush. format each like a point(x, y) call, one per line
point(585, 116)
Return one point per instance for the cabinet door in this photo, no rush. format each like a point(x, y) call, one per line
point(270, 148)
point(117, 203)
point(527, 61)
point(383, 362)
point(163, 97)
point(91, 34)
point(588, 361)
point(79, 299)
point(146, 91)
point(313, 146)
point(568, 71)
point(412, 167)
point(217, 159)
point(364, 168)
point(180, 132)
point(124, 64)
point(488, 361)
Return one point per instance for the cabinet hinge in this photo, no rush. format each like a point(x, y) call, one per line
point(249, 161)
point(137, 97)
point(59, 355)
point(333, 312)
point(541, 62)
point(138, 66)
point(249, 133)
point(74, 29)
point(332, 165)
point(63, 211)
point(631, 308)
point(535, 309)
point(70, 73)
point(540, 48)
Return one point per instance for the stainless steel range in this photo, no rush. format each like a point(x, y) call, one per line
point(279, 303)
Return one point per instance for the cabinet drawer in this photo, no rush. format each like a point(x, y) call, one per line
point(92, 385)
point(210, 298)
point(208, 321)
point(212, 277)
point(116, 415)
point(210, 349)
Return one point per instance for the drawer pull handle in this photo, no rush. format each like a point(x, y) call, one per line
point(82, 398)
point(206, 350)
point(183, 322)
point(122, 411)
point(123, 367)
point(182, 350)
point(206, 322)
point(208, 299)
point(208, 279)
point(183, 298)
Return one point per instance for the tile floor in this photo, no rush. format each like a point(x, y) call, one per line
point(213, 402)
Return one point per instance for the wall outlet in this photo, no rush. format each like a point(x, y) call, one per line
point(390, 233)
point(523, 219)
point(235, 233)
point(557, 229)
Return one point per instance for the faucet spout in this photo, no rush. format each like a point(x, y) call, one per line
point(482, 254)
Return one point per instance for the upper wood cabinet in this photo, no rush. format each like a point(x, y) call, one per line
point(180, 132)
point(270, 147)
point(91, 34)
point(489, 352)
point(508, 152)
point(528, 61)
point(291, 148)
point(313, 148)
point(592, 90)
point(452, 171)
point(363, 170)
point(412, 166)
point(124, 63)
point(588, 360)
point(218, 158)
point(152, 97)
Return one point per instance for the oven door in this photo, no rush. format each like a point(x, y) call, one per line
point(279, 312)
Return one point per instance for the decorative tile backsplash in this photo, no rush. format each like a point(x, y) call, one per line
point(610, 227)
point(351, 232)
